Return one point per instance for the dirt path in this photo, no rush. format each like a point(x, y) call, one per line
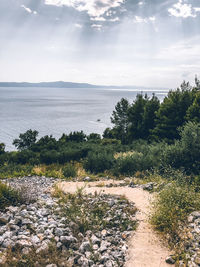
point(145, 248)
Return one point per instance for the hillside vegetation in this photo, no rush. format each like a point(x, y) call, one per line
point(149, 141)
point(146, 135)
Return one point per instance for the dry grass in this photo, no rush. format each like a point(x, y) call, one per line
point(80, 170)
point(125, 154)
point(14, 258)
point(53, 170)
point(39, 170)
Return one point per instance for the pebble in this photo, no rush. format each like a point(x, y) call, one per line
point(35, 224)
point(191, 240)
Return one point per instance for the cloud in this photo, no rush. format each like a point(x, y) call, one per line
point(29, 10)
point(97, 26)
point(77, 25)
point(114, 19)
point(26, 8)
point(139, 19)
point(185, 51)
point(183, 10)
point(94, 8)
point(141, 3)
point(98, 19)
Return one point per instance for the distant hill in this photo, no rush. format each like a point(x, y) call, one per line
point(61, 84)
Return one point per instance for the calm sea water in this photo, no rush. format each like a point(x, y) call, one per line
point(58, 110)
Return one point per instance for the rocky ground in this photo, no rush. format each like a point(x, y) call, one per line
point(93, 229)
point(91, 232)
point(145, 247)
point(192, 240)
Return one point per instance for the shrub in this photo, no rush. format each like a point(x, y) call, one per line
point(77, 137)
point(171, 208)
point(72, 154)
point(107, 141)
point(8, 196)
point(15, 170)
point(69, 171)
point(173, 155)
point(128, 165)
point(186, 152)
point(98, 162)
point(94, 137)
point(49, 157)
point(23, 157)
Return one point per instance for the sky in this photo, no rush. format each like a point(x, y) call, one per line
point(152, 43)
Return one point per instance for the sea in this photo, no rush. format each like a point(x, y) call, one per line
point(54, 111)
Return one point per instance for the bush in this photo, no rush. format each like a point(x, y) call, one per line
point(171, 208)
point(128, 165)
point(8, 196)
point(72, 154)
point(186, 152)
point(94, 137)
point(14, 170)
point(23, 157)
point(69, 171)
point(107, 141)
point(98, 162)
point(49, 157)
point(173, 156)
point(77, 137)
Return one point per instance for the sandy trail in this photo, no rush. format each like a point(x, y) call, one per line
point(145, 247)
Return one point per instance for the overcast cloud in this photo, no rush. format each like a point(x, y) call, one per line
point(122, 42)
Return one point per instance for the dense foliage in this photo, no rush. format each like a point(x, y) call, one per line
point(147, 118)
point(149, 134)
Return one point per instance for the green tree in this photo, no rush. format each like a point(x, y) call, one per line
point(184, 153)
point(171, 114)
point(108, 133)
point(190, 143)
point(193, 112)
point(120, 119)
point(26, 140)
point(45, 143)
point(2, 148)
point(150, 109)
point(136, 117)
point(94, 137)
point(77, 137)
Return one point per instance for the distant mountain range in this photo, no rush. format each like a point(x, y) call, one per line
point(61, 84)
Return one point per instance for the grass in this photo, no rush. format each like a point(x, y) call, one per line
point(90, 212)
point(15, 170)
point(52, 170)
point(14, 258)
point(69, 171)
point(8, 196)
point(171, 209)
